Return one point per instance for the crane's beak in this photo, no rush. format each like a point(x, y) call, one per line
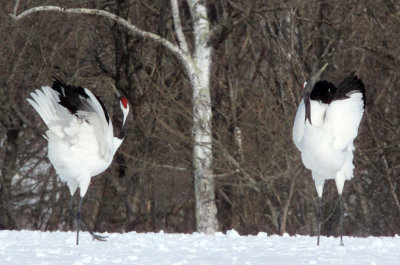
point(307, 91)
point(117, 93)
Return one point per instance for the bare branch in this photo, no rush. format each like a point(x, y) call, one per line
point(145, 34)
point(15, 7)
point(178, 27)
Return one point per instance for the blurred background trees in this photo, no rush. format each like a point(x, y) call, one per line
point(263, 52)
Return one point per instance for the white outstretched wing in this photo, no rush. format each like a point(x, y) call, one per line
point(298, 127)
point(56, 117)
point(101, 123)
point(345, 117)
point(89, 120)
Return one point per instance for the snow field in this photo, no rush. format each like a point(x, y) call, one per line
point(57, 248)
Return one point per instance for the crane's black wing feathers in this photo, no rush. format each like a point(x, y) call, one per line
point(326, 92)
point(74, 98)
point(350, 85)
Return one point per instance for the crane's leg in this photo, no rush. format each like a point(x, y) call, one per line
point(319, 219)
point(74, 217)
point(341, 219)
point(340, 179)
point(84, 226)
point(78, 220)
point(319, 186)
point(71, 212)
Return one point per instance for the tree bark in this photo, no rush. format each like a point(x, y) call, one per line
point(199, 74)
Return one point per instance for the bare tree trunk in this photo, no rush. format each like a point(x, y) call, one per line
point(286, 207)
point(199, 75)
point(202, 157)
point(7, 217)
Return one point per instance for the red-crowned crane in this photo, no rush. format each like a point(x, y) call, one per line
point(81, 141)
point(325, 127)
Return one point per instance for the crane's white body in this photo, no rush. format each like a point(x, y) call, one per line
point(80, 146)
point(326, 145)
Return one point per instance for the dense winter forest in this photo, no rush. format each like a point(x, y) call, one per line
point(261, 53)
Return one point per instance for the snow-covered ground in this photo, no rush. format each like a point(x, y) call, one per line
point(56, 248)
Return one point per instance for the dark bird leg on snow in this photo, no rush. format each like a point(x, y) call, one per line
point(79, 224)
point(319, 219)
point(84, 226)
point(78, 220)
point(341, 219)
point(76, 217)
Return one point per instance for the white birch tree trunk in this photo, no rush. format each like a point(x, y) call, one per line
point(206, 210)
point(197, 66)
point(204, 185)
point(199, 74)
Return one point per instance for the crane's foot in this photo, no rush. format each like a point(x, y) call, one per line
point(99, 237)
point(79, 224)
point(94, 235)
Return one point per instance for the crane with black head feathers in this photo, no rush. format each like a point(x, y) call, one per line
point(325, 127)
point(81, 141)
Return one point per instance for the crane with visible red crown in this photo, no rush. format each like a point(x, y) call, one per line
point(81, 141)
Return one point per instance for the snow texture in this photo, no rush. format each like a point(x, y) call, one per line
point(34, 247)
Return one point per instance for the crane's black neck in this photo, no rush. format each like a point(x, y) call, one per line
point(121, 134)
point(323, 91)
